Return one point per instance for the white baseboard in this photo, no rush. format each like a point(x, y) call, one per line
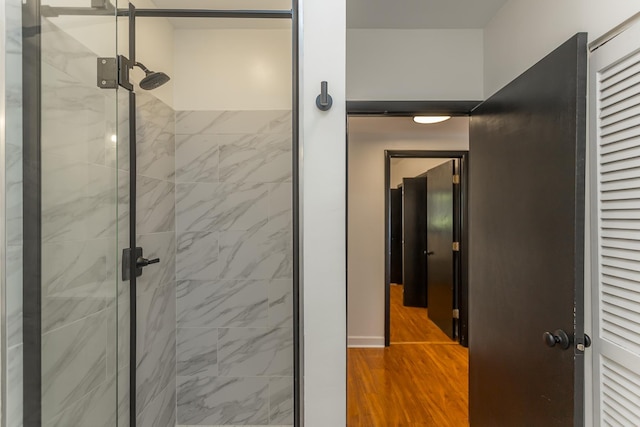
point(365, 342)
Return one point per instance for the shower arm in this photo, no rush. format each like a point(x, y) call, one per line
point(141, 66)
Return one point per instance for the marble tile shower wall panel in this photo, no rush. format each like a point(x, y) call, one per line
point(156, 291)
point(13, 121)
point(119, 331)
point(79, 237)
point(12, 10)
point(234, 268)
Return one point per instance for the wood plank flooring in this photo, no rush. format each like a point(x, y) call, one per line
point(411, 324)
point(410, 383)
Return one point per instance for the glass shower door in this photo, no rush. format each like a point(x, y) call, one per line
point(73, 192)
point(211, 339)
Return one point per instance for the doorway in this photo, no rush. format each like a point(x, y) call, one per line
point(528, 236)
point(426, 240)
point(387, 378)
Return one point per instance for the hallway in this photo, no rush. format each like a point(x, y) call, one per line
point(411, 324)
point(420, 380)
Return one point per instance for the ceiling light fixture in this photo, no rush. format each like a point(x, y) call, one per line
point(423, 120)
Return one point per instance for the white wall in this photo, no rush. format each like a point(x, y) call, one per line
point(365, 276)
point(414, 64)
point(233, 69)
point(525, 31)
point(407, 168)
point(323, 205)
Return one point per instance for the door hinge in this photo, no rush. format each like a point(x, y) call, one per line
point(456, 246)
point(456, 179)
point(107, 73)
point(114, 72)
point(124, 66)
point(456, 313)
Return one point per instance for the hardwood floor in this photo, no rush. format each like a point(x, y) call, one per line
point(411, 324)
point(410, 383)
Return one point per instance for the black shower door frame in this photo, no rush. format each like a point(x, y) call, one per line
point(33, 11)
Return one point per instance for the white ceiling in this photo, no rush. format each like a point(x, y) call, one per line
point(384, 14)
point(405, 129)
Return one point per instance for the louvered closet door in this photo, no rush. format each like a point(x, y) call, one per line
point(615, 142)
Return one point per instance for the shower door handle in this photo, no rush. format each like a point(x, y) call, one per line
point(143, 262)
point(139, 261)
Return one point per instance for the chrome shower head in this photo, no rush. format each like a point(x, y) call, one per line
point(153, 79)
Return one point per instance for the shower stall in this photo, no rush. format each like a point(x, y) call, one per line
point(150, 246)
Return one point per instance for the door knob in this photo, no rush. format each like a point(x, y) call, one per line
point(559, 337)
point(430, 253)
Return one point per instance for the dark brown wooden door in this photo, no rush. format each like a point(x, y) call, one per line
point(396, 235)
point(527, 151)
point(414, 236)
point(440, 237)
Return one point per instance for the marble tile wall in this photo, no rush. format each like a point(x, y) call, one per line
point(12, 263)
point(156, 349)
point(79, 237)
point(234, 268)
point(85, 212)
point(79, 240)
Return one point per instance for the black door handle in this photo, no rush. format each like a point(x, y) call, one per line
point(143, 262)
point(559, 337)
point(430, 253)
point(128, 257)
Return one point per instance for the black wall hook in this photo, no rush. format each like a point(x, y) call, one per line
point(324, 100)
